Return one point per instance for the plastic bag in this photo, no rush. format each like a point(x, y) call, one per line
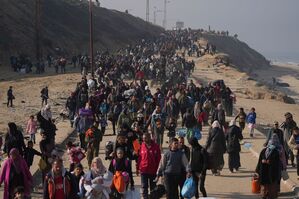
point(197, 133)
point(181, 132)
point(189, 188)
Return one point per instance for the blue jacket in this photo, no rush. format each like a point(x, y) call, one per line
point(251, 117)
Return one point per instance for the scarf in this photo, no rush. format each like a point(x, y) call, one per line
point(16, 160)
point(100, 169)
point(273, 144)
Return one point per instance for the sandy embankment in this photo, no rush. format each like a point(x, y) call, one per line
point(26, 89)
point(250, 93)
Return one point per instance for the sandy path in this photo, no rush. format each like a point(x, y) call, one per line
point(239, 184)
point(27, 88)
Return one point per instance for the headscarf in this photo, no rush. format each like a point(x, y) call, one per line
point(16, 161)
point(215, 124)
point(100, 168)
point(273, 144)
point(46, 112)
point(12, 128)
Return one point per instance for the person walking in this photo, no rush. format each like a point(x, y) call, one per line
point(242, 118)
point(148, 163)
point(120, 165)
point(186, 150)
point(14, 139)
point(59, 183)
point(251, 120)
point(44, 95)
point(97, 180)
point(288, 126)
point(219, 115)
point(216, 147)
point(233, 137)
point(269, 169)
point(275, 130)
point(93, 137)
point(171, 167)
point(29, 153)
point(31, 128)
point(71, 106)
point(294, 146)
point(46, 145)
point(157, 122)
point(10, 97)
point(15, 173)
point(198, 166)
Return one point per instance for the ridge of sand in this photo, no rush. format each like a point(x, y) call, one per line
point(248, 91)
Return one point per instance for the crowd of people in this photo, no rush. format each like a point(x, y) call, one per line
point(140, 117)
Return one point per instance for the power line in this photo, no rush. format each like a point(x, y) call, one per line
point(147, 11)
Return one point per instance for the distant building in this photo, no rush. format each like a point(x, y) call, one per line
point(179, 25)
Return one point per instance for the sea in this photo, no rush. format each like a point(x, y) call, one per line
point(291, 58)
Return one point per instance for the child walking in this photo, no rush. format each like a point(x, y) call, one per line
point(121, 168)
point(29, 153)
point(31, 128)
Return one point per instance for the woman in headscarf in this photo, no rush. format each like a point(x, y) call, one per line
point(15, 173)
point(219, 115)
point(97, 180)
point(14, 139)
point(199, 114)
point(216, 148)
point(269, 168)
point(46, 146)
point(233, 137)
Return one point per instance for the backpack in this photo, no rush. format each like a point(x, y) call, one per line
point(120, 178)
point(119, 182)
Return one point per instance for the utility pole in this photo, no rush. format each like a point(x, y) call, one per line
point(147, 11)
point(38, 36)
point(165, 15)
point(155, 14)
point(91, 38)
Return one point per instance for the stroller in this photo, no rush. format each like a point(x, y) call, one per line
point(108, 150)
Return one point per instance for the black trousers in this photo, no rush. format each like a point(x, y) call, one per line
point(147, 180)
point(114, 122)
point(171, 185)
point(82, 140)
point(44, 100)
point(200, 180)
point(9, 101)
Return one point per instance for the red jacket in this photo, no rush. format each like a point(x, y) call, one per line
point(149, 158)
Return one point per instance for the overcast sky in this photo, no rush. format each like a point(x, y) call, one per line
point(269, 26)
